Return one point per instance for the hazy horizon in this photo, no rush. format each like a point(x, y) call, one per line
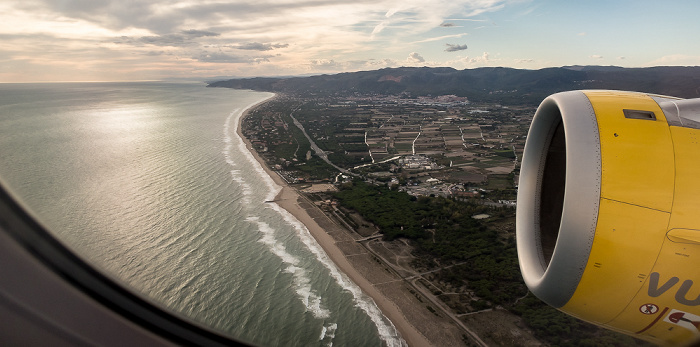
point(206, 80)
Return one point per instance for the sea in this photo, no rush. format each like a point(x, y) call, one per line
point(150, 183)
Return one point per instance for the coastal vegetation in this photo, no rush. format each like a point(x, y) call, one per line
point(283, 145)
point(445, 233)
point(477, 256)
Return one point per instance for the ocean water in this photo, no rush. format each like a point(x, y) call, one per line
point(150, 183)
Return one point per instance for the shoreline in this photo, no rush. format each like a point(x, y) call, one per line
point(288, 199)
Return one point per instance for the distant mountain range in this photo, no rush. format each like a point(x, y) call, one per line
point(488, 84)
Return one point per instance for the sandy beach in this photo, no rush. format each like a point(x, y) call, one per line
point(290, 200)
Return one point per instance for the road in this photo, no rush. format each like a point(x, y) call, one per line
point(426, 294)
point(319, 152)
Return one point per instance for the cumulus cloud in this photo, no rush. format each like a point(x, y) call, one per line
point(415, 58)
point(380, 63)
point(478, 61)
point(454, 48)
point(324, 63)
point(256, 46)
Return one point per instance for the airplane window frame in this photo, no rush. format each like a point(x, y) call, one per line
point(29, 234)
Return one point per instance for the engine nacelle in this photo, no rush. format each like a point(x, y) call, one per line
point(608, 215)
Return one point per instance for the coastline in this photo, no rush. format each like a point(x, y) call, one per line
point(289, 199)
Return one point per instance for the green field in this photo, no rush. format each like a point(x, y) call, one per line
point(500, 182)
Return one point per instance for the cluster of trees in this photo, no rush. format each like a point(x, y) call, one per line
point(506, 153)
point(316, 169)
point(444, 232)
point(560, 329)
point(397, 214)
point(384, 167)
point(339, 158)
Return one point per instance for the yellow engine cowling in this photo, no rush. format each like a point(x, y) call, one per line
point(608, 216)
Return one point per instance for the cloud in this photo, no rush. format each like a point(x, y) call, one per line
point(410, 17)
point(159, 32)
point(582, 34)
point(379, 63)
point(162, 17)
point(165, 40)
point(466, 20)
point(415, 58)
point(378, 29)
point(454, 48)
point(675, 60)
point(199, 33)
point(596, 56)
point(484, 59)
point(621, 58)
point(349, 65)
point(527, 12)
point(324, 63)
point(256, 46)
point(438, 38)
point(220, 57)
point(186, 38)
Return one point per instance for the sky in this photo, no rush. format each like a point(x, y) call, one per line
point(135, 40)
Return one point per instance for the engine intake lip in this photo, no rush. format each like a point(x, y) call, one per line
point(554, 279)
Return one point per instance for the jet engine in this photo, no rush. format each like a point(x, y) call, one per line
point(608, 214)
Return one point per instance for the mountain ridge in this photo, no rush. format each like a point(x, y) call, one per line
point(485, 84)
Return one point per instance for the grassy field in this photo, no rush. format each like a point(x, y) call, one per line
point(500, 182)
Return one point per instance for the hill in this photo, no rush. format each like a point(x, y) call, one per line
point(488, 84)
